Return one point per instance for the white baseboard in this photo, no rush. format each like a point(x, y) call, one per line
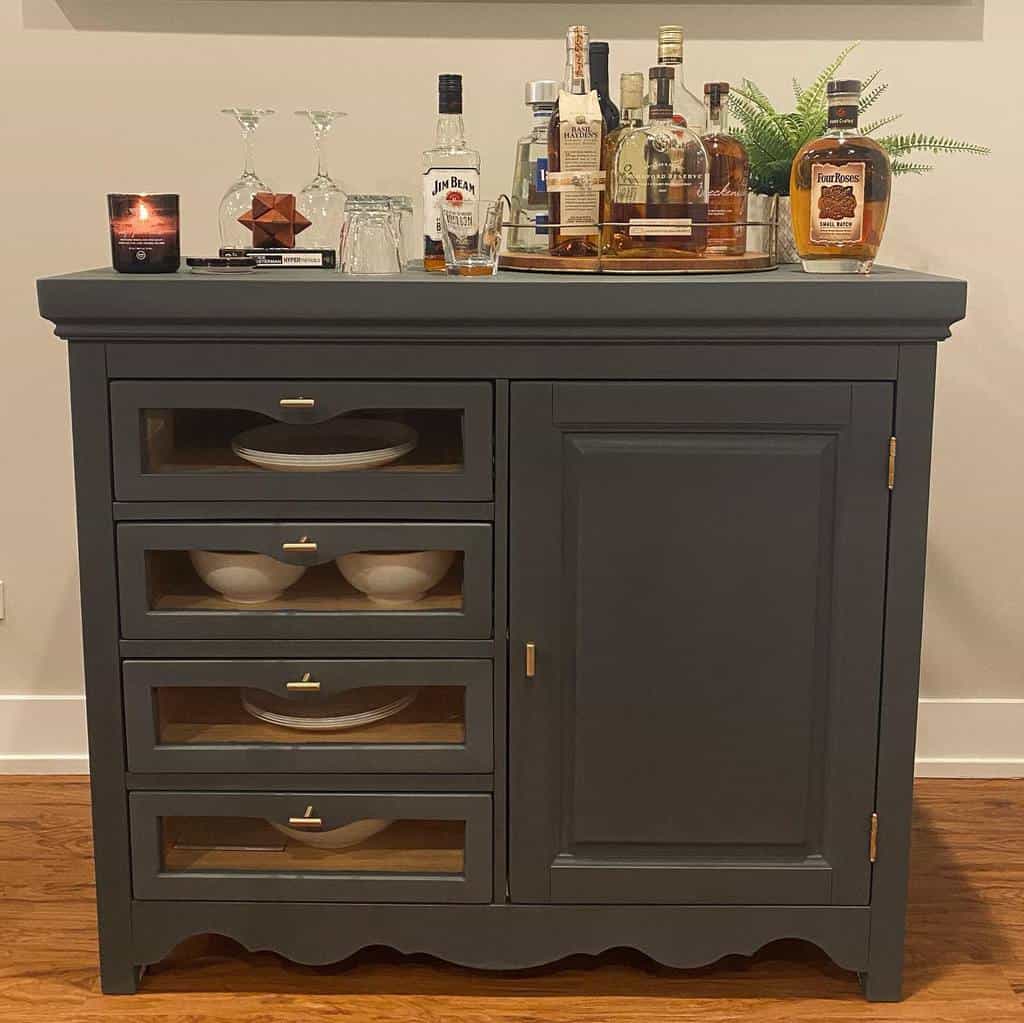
point(970, 738)
point(43, 734)
point(956, 738)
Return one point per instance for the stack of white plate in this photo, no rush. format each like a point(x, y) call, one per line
point(325, 447)
point(350, 709)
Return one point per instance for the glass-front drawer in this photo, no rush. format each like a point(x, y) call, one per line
point(194, 440)
point(305, 580)
point(285, 846)
point(365, 716)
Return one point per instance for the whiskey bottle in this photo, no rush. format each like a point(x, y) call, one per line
point(687, 107)
point(599, 81)
point(529, 180)
point(576, 137)
point(451, 169)
point(659, 183)
point(631, 104)
point(729, 175)
point(839, 189)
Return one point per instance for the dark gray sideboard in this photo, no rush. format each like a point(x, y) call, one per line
point(666, 694)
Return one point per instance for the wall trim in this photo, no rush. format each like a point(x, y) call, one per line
point(43, 734)
point(970, 738)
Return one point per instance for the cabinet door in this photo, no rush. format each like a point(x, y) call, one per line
point(701, 567)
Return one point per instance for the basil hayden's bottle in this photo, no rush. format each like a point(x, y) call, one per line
point(451, 170)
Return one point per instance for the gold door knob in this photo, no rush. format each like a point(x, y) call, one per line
point(531, 660)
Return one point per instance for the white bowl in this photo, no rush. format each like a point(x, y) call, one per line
point(336, 838)
point(395, 578)
point(245, 578)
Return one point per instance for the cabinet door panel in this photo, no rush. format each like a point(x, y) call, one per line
point(701, 568)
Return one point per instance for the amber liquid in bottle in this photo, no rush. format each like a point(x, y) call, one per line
point(584, 155)
point(729, 172)
point(631, 91)
point(839, 188)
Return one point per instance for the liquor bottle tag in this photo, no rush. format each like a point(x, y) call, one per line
point(579, 177)
point(445, 183)
point(642, 227)
point(837, 202)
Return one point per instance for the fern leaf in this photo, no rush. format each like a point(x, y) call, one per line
point(762, 131)
point(814, 95)
point(901, 145)
point(903, 167)
point(753, 93)
point(869, 97)
point(866, 83)
point(867, 129)
point(797, 89)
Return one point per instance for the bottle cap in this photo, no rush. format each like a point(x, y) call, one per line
point(661, 71)
point(670, 42)
point(631, 84)
point(541, 92)
point(599, 48)
point(449, 94)
point(716, 88)
point(843, 86)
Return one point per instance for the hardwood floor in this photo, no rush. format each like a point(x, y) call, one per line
point(965, 952)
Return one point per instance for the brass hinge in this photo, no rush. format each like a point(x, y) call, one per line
point(873, 840)
point(892, 462)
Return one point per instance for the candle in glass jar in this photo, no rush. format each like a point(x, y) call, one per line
point(144, 233)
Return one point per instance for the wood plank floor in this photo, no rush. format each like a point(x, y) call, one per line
point(965, 947)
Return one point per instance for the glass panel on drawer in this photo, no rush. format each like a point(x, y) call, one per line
point(213, 440)
point(367, 715)
point(233, 580)
point(364, 845)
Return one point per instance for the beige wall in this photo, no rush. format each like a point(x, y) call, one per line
point(102, 96)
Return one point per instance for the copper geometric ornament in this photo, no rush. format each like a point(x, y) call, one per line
point(273, 220)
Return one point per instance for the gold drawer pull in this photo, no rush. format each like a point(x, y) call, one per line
point(303, 544)
point(307, 820)
point(297, 403)
point(305, 684)
point(531, 660)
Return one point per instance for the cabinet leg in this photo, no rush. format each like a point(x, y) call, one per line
point(120, 978)
point(883, 985)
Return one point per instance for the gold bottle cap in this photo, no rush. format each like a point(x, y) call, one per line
point(631, 84)
point(670, 42)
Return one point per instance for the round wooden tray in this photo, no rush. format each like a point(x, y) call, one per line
point(541, 262)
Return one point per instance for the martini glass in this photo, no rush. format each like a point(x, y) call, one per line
point(238, 198)
point(322, 201)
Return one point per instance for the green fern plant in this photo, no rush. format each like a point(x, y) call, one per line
point(774, 138)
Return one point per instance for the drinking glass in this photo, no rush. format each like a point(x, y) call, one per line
point(322, 201)
point(471, 234)
point(370, 241)
point(402, 206)
point(238, 198)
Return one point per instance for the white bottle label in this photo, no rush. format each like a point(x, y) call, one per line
point(455, 183)
point(579, 178)
point(837, 202)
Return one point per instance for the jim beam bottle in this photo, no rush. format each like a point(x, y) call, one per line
point(576, 156)
point(451, 169)
point(839, 189)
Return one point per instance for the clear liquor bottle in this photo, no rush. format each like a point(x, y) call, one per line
point(839, 190)
point(576, 137)
point(670, 54)
point(729, 173)
point(451, 169)
point(529, 182)
point(659, 184)
point(631, 105)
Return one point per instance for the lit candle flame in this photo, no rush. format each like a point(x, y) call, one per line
point(143, 211)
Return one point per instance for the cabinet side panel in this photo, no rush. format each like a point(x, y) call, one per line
point(900, 668)
point(96, 556)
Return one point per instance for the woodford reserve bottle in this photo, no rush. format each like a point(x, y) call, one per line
point(839, 188)
point(451, 170)
point(576, 156)
point(729, 173)
point(659, 184)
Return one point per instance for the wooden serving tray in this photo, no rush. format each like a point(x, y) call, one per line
point(541, 262)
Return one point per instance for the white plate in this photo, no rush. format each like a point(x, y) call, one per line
point(325, 447)
point(319, 715)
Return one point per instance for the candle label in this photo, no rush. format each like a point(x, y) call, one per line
point(144, 235)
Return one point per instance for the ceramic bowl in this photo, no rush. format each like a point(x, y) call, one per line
point(245, 578)
point(395, 578)
point(336, 838)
